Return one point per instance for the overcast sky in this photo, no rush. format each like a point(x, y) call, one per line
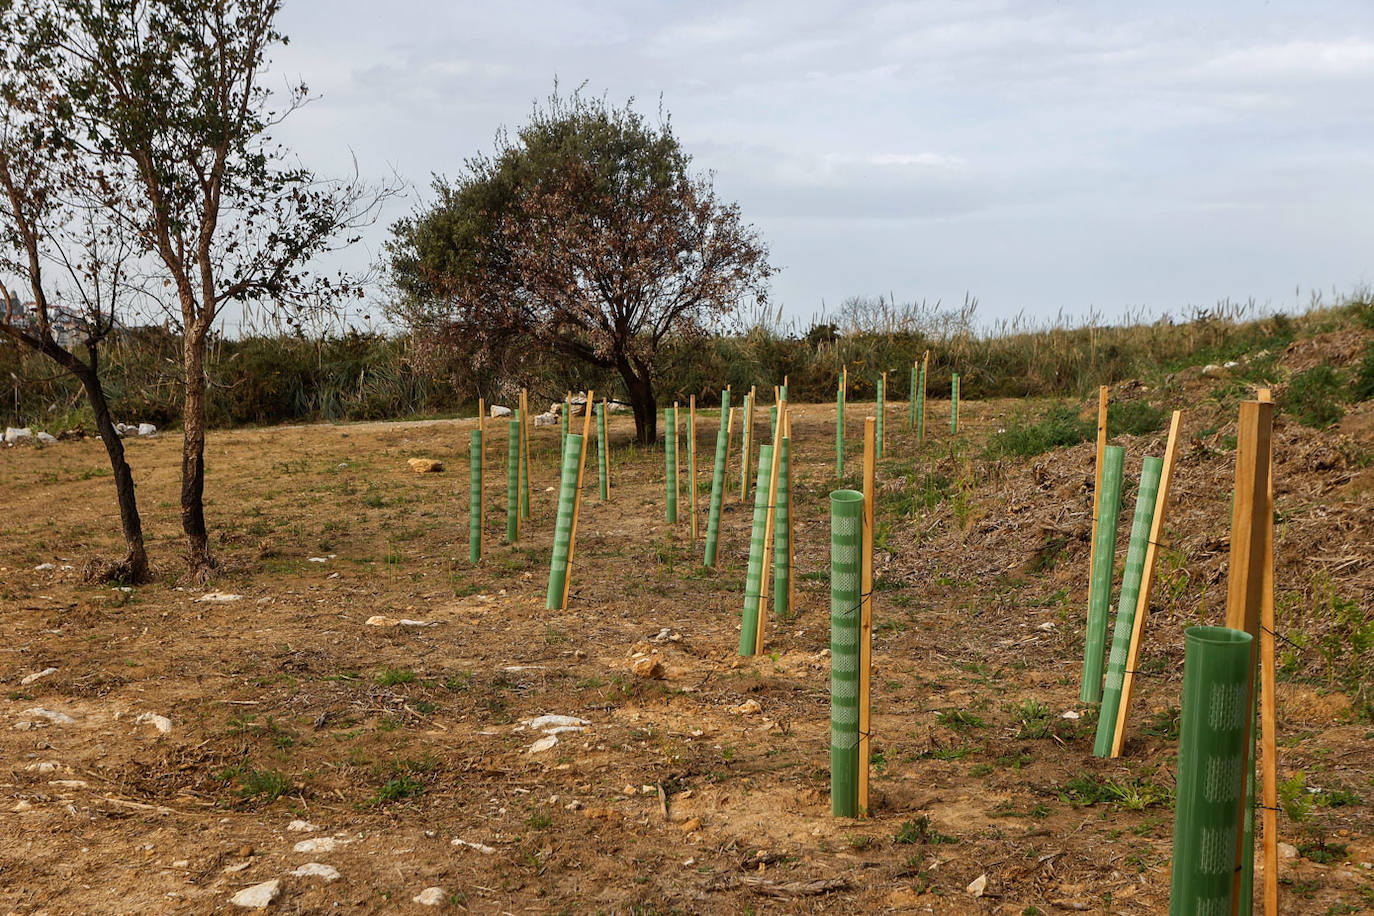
point(1039, 156)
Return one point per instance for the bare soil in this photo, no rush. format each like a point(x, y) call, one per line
point(393, 742)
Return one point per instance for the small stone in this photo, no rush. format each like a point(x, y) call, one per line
point(978, 886)
point(690, 825)
point(161, 723)
point(317, 870)
point(747, 708)
point(544, 744)
point(19, 434)
point(51, 715)
point(218, 597)
point(316, 844)
point(37, 675)
point(547, 723)
point(238, 867)
point(46, 438)
point(245, 850)
point(45, 766)
point(1213, 371)
point(483, 848)
point(498, 411)
point(648, 667)
point(1069, 714)
point(147, 429)
point(1288, 850)
point(299, 826)
point(259, 896)
point(425, 465)
point(43, 567)
point(182, 863)
point(546, 419)
point(70, 783)
point(431, 896)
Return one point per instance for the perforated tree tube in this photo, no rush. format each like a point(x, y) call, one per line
point(717, 484)
point(1126, 604)
point(753, 579)
point(773, 422)
point(782, 538)
point(562, 530)
point(1211, 775)
point(603, 458)
point(911, 417)
point(512, 481)
point(475, 498)
point(954, 403)
point(878, 430)
point(1100, 586)
point(839, 433)
point(563, 422)
point(846, 520)
point(524, 470)
point(921, 404)
point(746, 445)
point(670, 462)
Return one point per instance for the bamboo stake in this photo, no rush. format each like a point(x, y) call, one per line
point(1268, 709)
point(1102, 396)
point(1244, 596)
point(692, 462)
point(866, 612)
point(577, 497)
point(768, 530)
point(1142, 606)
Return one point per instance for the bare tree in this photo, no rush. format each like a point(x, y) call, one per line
point(55, 236)
point(169, 104)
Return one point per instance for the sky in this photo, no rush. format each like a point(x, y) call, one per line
point(1043, 157)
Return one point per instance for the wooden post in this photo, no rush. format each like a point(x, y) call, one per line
point(1245, 587)
point(866, 611)
point(768, 529)
point(1142, 605)
point(1102, 395)
point(577, 497)
point(1268, 709)
point(692, 462)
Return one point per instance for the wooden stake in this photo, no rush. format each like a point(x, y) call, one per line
point(692, 462)
point(1268, 709)
point(577, 496)
point(1142, 605)
point(1245, 584)
point(866, 611)
point(1102, 396)
point(768, 530)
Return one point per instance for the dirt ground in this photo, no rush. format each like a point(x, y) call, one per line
point(299, 733)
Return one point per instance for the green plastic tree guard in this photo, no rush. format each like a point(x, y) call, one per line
point(512, 481)
point(911, 417)
point(878, 429)
point(782, 526)
point(746, 445)
point(524, 479)
point(921, 404)
point(753, 580)
point(846, 521)
point(475, 498)
point(670, 462)
point(717, 485)
point(691, 468)
point(563, 423)
point(562, 530)
point(839, 434)
point(773, 422)
point(1100, 587)
point(1125, 606)
point(1211, 778)
point(954, 403)
point(603, 458)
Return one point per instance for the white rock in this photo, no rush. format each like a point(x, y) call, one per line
point(317, 870)
point(1230, 364)
point(317, 559)
point(431, 896)
point(36, 676)
point(498, 411)
point(544, 744)
point(52, 715)
point(1047, 626)
point(1069, 714)
point(147, 429)
point(1212, 370)
point(381, 620)
point(43, 567)
point(547, 723)
point(161, 723)
point(546, 419)
point(44, 766)
point(483, 848)
point(17, 434)
point(316, 844)
point(46, 438)
point(259, 896)
point(1288, 850)
point(219, 597)
point(299, 826)
point(749, 707)
point(978, 885)
point(70, 783)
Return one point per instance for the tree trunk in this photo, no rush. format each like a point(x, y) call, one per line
point(198, 559)
point(134, 567)
point(640, 388)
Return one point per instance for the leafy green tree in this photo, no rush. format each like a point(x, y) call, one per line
point(585, 236)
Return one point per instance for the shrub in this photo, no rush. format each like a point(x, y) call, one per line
point(1060, 427)
point(1314, 397)
point(1362, 385)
